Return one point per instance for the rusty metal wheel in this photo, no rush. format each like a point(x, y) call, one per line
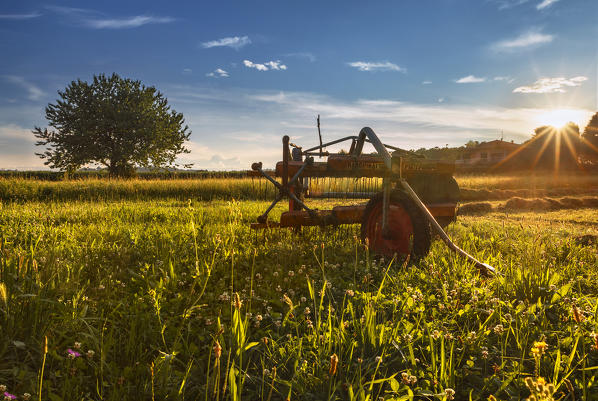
point(409, 231)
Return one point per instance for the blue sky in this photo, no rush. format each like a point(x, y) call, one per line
point(420, 73)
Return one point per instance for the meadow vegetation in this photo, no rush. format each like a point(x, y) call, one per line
point(119, 290)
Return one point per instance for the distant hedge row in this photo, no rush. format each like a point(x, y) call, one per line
point(144, 175)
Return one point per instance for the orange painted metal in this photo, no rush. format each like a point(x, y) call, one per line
point(342, 215)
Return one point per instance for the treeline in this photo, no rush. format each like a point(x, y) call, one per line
point(143, 175)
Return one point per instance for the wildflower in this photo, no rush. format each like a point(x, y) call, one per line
point(275, 274)
point(552, 287)
point(359, 360)
point(258, 276)
point(303, 299)
point(378, 358)
point(26, 396)
point(287, 300)
point(2, 388)
point(435, 334)
point(77, 345)
point(508, 317)
point(266, 372)
point(8, 396)
point(101, 287)
point(278, 323)
point(238, 302)
point(217, 350)
point(471, 336)
point(485, 354)
point(449, 393)
point(448, 336)
point(594, 337)
point(310, 324)
point(350, 293)
point(577, 314)
point(539, 348)
point(258, 318)
point(72, 354)
point(499, 329)
point(291, 273)
point(307, 311)
point(333, 364)
point(90, 353)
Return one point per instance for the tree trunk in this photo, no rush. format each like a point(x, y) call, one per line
point(120, 169)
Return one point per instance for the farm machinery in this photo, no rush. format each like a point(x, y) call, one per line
point(414, 197)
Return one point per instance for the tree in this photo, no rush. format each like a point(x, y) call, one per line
point(115, 122)
point(590, 138)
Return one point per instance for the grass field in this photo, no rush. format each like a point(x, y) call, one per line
point(109, 292)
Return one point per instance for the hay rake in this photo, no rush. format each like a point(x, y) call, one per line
point(409, 197)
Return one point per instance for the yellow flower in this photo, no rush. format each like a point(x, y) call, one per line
point(539, 348)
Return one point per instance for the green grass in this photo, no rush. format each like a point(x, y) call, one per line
point(149, 287)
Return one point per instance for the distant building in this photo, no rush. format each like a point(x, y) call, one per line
point(486, 154)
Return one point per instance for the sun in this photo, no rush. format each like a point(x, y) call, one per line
point(559, 117)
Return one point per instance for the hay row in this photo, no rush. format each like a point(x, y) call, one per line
point(536, 204)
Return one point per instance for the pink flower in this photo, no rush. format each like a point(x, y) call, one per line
point(72, 354)
point(9, 396)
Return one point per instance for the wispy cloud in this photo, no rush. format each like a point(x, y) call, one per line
point(33, 92)
point(551, 85)
point(235, 42)
point(426, 82)
point(303, 55)
point(270, 65)
point(98, 20)
point(218, 73)
point(470, 79)
point(187, 70)
point(127, 22)
point(545, 3)
point(504, 78)
point(376, 66)
point(20, 16)
point(506, 4)
point(531, 38)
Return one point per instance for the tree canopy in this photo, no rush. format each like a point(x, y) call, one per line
point(590, 138)
point(112, 121)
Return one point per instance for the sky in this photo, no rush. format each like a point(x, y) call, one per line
point(420, 73)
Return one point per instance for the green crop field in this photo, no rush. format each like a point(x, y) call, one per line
point(149, 290)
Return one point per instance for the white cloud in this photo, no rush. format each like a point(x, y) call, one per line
point(20, 16)
point(545, 3)
point(470, 79)
point(506, 4)
point(376, 66)
point(187, 70)
point(128, 22)
point(427, 83)
point(551, 85)
point(33, 92)
point(528, 39)
point(304, 55)
point(270, 65)
point(235, 42)
point(504, 78)
point(98, 20)
point(218, 73)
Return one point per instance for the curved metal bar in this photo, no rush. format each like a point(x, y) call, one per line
point(378, 145)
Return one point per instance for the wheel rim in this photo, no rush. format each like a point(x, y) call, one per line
point(401, 231)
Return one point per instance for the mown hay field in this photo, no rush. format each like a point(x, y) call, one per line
point(140, 296)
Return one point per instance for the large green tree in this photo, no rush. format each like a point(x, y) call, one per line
point(112, 121)
point(590, 139)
